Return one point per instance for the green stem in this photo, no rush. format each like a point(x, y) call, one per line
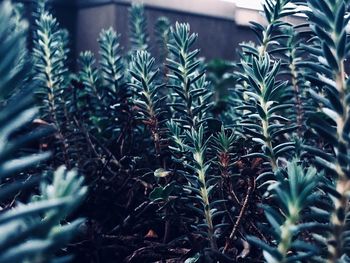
point(268, 142)
point(205, 198)
point(265, 123)
point(51, 97)
point(287, 235)
point(297, 95)
point(341, 205)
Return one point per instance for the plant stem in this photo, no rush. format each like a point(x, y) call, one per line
point(240, 216)
point(341, 205)
point(297, 95)
point(205, 198)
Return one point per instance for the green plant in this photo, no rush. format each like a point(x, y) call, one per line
point(92, 95)
point(162, 32)
point(223, 81)
point(192, 180)
point(266, 95)
point(37, 225)
point(187, 80)
point(32, 231)
point(199, 184)
point(50, 57)
point(293, 193)
point(138, 28)
point(111, 64)
point(331, 50)
point(149, 101)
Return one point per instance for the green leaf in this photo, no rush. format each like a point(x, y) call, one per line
point(259, 243)
point(332, 61)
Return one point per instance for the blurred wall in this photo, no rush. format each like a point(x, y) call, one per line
point(218, 37)
point(220, 25)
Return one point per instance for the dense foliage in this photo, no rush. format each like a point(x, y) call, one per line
point(185, 161)
point(35, 230)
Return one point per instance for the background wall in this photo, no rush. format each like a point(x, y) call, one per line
point(221, 26)
point(218, 37)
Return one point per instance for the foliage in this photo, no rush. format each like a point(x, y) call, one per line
point(31, 231)
point(162, 33)
point(331, 47)
point(182, 163)
point(187, 79)
point(138, 28)
point(293, 193)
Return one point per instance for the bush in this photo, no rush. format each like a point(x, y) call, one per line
point(34, 231)
point(180, 168)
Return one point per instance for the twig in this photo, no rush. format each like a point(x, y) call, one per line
point(240, 216)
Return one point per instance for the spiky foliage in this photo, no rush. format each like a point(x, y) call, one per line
point(224, 94)
point(331, 50)
point(105, 94)
point(265, 98)
point(14, 114)
point(190, 105)
point(138, 28)
point(30, 232)
point(162, 32)
point(115, 91)
point(149, 103)
point(91, 96)
point(193, 148)
point(291, 50)
point(111, 60)
point(50, 71)
point(326, 61)
point(262, 79)
point(215, 165)
point(38, 8)
point(187, 80)
point(293, 193)
point(269, 35)
point(223, 144)
point(34, 231)
point(89, 74)
point(298, 83)
point(265, 114)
